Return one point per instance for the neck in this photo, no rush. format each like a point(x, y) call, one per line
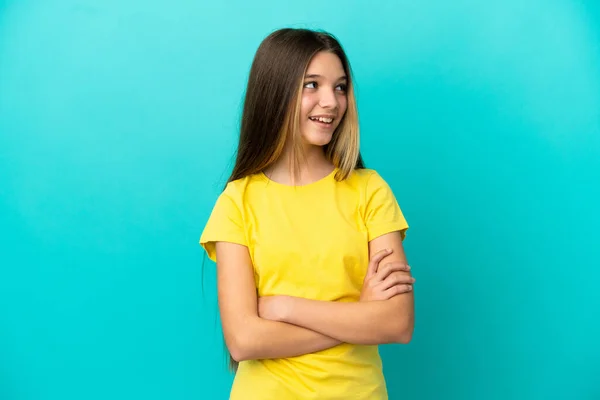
point(311, 167)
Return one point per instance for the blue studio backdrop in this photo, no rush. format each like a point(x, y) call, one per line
point(118, 126)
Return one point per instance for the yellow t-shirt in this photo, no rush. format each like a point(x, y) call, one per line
point(308, 241)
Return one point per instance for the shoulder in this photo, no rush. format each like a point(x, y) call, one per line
point(243, 190)
point(366, 179)
point(237, 189)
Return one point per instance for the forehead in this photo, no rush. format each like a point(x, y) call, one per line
point(327, 64)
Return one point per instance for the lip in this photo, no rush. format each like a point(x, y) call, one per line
point(322, 125)
point(322, 116)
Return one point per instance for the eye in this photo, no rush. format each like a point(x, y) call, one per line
point(308, 85)
point(342, 87)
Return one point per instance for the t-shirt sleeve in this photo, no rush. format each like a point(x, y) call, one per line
point(383, 214)
point(225, 224)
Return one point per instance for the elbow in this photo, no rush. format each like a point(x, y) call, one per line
point(402, 332)
point(242, 342)
point(404, 337)
point(236, 352)
point(239, 348)
point(238, 355)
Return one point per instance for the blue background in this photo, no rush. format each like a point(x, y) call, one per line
point(118, 124)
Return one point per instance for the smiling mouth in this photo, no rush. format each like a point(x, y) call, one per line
point(323, 120)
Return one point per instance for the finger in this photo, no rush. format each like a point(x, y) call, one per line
point(396, 279)
point(375, 260)
point(387, 269)
point(397, 289)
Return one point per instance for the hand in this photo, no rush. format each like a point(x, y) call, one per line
point(273, 308)
point(387, 281)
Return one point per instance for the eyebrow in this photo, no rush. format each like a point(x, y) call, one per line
point(341, 78)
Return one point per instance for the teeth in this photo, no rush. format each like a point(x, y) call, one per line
point(322, 119)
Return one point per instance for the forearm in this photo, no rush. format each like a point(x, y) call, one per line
point(369, 323)
point(264, 339)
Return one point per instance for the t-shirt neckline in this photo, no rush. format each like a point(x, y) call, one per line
point(308, 185)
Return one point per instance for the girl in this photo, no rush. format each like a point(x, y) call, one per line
point(311, 271)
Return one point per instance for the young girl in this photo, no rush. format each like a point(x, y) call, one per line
point(311, 271)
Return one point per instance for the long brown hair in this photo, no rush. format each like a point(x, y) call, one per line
point(272, 106)
point(272, 103)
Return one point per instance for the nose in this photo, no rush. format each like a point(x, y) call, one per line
point(327, 98)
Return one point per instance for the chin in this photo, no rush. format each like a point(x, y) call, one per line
point(317, 139)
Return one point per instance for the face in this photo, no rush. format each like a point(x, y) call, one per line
point(324, 99)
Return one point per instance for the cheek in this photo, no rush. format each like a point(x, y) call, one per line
point(343, 104)
point(307, 105)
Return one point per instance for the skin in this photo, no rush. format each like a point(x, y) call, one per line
point(286, 326)
point(323, 94)
point(364, 322)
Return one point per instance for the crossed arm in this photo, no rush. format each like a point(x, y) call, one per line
point(301, 326)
